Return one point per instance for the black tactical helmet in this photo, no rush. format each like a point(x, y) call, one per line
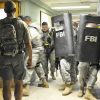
point(9, 6)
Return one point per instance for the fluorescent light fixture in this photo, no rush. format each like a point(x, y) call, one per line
point(70, 7)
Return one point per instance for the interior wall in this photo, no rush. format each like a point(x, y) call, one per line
point(98, 8)
point(31, 9)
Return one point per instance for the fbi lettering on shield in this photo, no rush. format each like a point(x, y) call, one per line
point(91, 38)
point(60, 34)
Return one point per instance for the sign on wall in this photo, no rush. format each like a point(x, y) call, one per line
point(44, 17)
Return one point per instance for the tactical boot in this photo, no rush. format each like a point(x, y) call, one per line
point(62, 87)
point(44, 84)
point(81, 93)
point(68, 90)
point(53, 76)
point(26, 90)
point(89, 95)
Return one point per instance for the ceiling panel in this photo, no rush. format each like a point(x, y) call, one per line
point(49, 2)
point(67, 3)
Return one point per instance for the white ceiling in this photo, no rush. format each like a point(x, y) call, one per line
point(64, 3)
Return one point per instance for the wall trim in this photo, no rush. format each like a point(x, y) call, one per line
point(44, 6)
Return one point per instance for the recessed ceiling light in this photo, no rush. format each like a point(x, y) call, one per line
point(70, 7)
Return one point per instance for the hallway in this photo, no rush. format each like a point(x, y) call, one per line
point(52, 93)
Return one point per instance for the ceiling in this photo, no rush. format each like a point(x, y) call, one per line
point(66, 3)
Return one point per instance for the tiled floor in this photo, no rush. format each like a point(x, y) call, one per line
point(53, 93)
